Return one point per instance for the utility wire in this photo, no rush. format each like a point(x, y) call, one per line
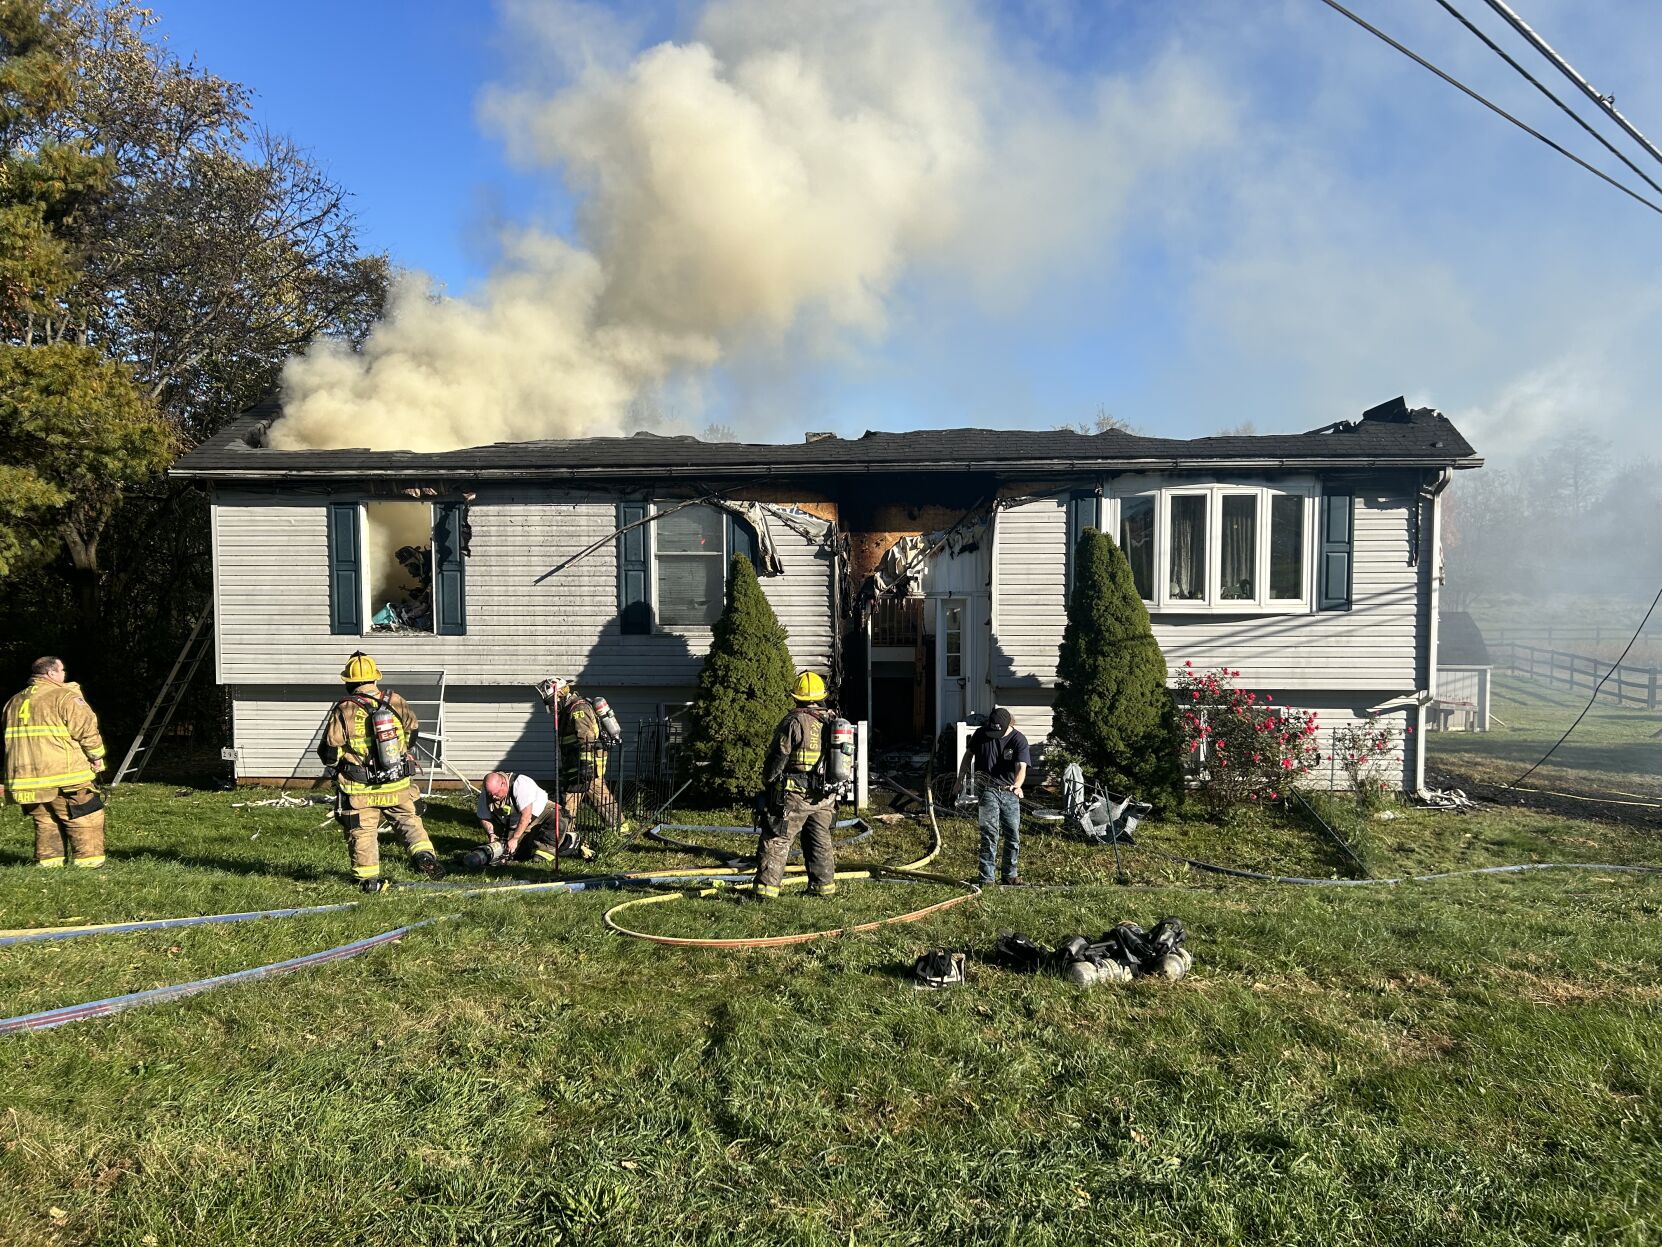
point(1615, 667)
point(1492, 107)
point(1547, 91)
point(1605, 102)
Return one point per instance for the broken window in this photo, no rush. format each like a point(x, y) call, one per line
point(398, 566)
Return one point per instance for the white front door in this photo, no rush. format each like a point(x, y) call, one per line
point(952, 660)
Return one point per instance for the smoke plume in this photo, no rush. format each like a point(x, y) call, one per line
point(765, 184)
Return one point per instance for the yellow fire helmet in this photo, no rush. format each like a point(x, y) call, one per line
point(809, 687)
point(360, 669)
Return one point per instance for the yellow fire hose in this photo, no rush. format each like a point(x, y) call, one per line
point(911, 870)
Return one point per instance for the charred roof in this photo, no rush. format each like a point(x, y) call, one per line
point(1391, 435)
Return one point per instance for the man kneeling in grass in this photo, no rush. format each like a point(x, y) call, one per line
point(520, 822)
point(998, 757)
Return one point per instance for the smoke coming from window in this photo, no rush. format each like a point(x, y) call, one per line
point(398, 562)
point(765, 184)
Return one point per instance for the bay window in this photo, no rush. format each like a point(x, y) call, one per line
point(1218, 548)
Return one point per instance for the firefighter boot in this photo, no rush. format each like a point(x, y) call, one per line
point(427, 862)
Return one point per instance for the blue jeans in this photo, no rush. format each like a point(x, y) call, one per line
point(1000, 810)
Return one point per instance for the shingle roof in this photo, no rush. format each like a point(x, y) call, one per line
point(1388, 436)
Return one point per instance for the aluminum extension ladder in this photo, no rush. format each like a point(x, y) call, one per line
point(197, 647)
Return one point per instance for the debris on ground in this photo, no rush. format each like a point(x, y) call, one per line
point(1445, 799)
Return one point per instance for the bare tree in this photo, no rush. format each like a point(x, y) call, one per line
point(1104, 422)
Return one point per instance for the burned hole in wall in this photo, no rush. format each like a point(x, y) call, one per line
point(398, 565)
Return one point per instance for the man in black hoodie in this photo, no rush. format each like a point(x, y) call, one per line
point(998, 757)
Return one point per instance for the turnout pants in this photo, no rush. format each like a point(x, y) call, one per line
point(360, 815)
point(70, 823)
point(539, 843)
point(600, 800)
point(1000, 811)
point(799, 817)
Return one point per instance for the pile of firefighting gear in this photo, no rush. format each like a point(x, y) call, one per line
point(1119, 955)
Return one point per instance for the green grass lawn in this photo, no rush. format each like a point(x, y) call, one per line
point(1472, 1061)
point(1614, 751)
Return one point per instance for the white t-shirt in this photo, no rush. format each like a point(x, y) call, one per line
point(523, 794)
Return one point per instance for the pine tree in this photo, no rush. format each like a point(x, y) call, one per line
point(743, 691)
point(1113, 709)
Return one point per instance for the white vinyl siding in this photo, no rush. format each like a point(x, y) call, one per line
point(1338, 662)
point(1375, 645)
point(1030, 607)
point(485, 728)
point(272, 595)
point(274, 646)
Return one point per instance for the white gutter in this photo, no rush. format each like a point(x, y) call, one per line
point(1433, 493)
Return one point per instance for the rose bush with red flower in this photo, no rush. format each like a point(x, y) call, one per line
point(1239, 747)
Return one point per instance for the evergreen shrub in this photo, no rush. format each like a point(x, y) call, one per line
point(1113, 710)
point(743, 692)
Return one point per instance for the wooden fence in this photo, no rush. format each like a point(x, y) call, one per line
point(1549, 636)
point(1627, 684)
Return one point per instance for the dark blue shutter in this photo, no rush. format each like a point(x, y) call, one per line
point(449, 569)
point(1337, 551)
point(634, 580)
point(345, 588)
point(1081, 515)
point(741, 539)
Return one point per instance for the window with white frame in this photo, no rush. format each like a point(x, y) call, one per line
point(1219, 548)
point(691, 566)
point(1137, 540)
point(672, 563)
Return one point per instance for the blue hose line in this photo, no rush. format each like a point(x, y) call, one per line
point(164, 924)
point(673, 879)
point(161, 995)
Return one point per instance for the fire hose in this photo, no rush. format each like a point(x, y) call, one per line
point(64, 1015)
point(911, 871)
point(717, 877)
point(160, 995)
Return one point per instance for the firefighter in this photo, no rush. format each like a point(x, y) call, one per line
point(372, 777)
point(520, 822)
point(586, 738)
point(53, 753)
point(796, 798)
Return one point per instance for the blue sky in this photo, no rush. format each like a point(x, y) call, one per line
point(1310, 224)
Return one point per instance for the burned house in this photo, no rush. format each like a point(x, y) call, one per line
point(926, 572)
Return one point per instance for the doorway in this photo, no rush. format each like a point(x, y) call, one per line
point(952, 660)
